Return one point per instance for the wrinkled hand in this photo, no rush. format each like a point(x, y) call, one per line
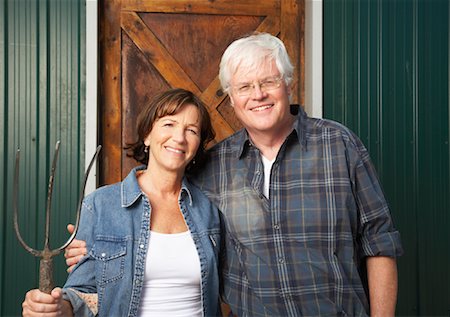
point(37, 303)
point(74, 251)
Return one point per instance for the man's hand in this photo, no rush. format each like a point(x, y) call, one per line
point(75, 251)
point(37, 303)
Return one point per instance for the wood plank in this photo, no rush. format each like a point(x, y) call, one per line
point(212, 97)
point(110, 161)
point(156, 53)
point(219, 7)
point(271, 24)
point(292, 34)
point(196, 41)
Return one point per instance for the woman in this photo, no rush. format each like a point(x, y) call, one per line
point(153, 239)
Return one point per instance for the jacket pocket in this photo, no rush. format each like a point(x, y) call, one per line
point(109, 253)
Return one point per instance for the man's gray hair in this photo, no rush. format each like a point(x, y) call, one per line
point(251, 52)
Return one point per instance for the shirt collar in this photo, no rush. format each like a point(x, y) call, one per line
point(131, 191)
point(185, 190)
point(241, 142)
point(300, 124)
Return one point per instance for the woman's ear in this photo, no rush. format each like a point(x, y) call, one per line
point(147, 140)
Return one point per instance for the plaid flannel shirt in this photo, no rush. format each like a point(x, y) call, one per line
point(302, 252)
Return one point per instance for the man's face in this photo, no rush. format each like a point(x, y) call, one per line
point(260, 99)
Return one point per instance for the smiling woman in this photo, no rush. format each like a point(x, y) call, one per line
point(153, 208)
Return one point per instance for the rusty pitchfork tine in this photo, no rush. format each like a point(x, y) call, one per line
point(49, 198)
point(80, 201)
point(46, 262)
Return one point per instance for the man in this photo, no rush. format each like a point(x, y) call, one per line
point(307, 228)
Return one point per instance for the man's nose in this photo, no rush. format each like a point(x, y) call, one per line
point(257, 92)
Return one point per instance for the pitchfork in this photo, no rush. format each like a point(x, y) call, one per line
point(46, 255)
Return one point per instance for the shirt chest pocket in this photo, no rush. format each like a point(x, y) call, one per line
point(109, 253)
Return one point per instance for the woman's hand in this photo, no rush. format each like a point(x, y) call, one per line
point(74, 251)
point(37, 303)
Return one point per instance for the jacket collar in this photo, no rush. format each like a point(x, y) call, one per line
point(131, 192)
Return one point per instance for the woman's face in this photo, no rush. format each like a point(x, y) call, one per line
point(174, 140)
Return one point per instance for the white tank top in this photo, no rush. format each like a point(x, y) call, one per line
point(172, 277)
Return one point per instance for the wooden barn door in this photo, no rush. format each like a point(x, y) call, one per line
point(149, 46)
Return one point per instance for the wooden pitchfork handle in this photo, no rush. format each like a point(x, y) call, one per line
point(46, 263)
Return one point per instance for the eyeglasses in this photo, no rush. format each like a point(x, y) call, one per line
point(246, 89)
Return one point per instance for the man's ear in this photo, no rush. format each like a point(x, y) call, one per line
point(289, 91)
point(231, 100)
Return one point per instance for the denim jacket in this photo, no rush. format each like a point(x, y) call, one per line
point(115, 223)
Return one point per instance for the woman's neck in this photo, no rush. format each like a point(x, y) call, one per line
point(158, 182)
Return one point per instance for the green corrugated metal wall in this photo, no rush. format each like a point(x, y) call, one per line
point(42, 89)
point(386, 76)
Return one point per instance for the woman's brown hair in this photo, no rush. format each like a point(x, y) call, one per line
point(165, 104)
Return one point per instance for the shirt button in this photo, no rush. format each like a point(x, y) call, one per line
point(141, 246)
point(103, 255)
point(276, 226)
point(280, 260)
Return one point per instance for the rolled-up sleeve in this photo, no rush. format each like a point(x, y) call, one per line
point(378, 235)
